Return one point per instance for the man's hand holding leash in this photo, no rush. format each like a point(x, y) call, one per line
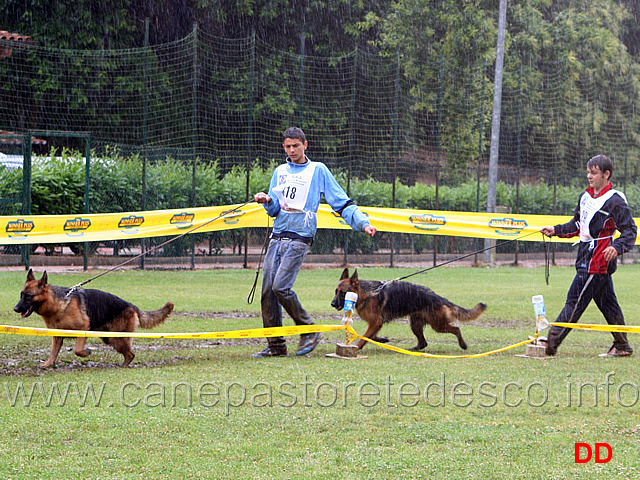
point(548, 231)
point(262, 197)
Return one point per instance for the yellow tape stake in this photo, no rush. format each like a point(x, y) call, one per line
point(354, 335)
point(600, 328)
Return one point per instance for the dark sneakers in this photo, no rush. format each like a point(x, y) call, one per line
point(271, 352)
point(549, 349)
point(308, 342)
point(614, 352)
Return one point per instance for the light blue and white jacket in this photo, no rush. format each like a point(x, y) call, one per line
point(304, 222)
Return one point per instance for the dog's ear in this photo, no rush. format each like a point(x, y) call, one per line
point(30, 275)
point(345, 274)
point(354, 277)
point(43, 279)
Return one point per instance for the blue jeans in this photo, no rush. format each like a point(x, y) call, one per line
point(281, 266)
point(586, 287)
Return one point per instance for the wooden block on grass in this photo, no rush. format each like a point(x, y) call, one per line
point(536, 351)
point(344, 350)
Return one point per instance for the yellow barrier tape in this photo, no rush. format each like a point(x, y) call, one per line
point(354, 335)
point(250, 333)
point(43, 229)
point(600, 328)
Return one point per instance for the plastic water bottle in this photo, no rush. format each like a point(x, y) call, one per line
point(350, 300)
point(539, 310)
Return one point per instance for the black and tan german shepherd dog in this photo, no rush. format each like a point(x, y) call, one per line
point(381, 302)
point(85, 309)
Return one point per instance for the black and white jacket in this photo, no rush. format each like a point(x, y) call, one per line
point(595, 220)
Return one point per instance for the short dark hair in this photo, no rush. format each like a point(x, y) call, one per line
point(294, 132)
point(603, 162)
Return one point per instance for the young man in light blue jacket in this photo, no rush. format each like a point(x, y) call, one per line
point(293, 199)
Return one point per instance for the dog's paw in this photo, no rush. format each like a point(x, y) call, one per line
point(381, 339)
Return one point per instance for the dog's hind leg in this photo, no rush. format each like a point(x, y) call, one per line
point(123, 346)
point(417, 322)
point(441, 323)
point(79, 349)
point(448, 328)
point(56, 345)
point(456, 331)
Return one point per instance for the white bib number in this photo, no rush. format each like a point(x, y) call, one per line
point(293, 188)
point(588, 208)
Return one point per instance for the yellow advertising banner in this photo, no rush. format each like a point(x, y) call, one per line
point(41, 229)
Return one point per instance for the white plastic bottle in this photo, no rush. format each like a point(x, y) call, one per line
point(540, 312)
point(350, 300)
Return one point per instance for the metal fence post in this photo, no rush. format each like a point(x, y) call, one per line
point(394, 153)
point(145, 134)
point(87, 189)
point(194, 135)
point(252, 74)
point(25, 250)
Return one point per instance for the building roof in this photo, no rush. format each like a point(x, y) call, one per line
point(12, 39)
point(8, 138)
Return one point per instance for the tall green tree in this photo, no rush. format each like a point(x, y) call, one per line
point(566, 60)
point(71, 24)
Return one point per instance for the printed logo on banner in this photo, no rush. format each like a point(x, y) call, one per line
point(507, 226)
point(182, 220)
point(130, 224)
point(77, 224)
point(19, 227)
point(232, 218)
point(131, 221)
point(428, 221)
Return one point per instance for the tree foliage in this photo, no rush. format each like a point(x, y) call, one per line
point(588, 49)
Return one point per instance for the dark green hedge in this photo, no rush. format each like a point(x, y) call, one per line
point(58, 187)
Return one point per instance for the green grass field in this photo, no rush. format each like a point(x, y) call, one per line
point(206, 409)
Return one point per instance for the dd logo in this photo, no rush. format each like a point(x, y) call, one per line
point(589, 452)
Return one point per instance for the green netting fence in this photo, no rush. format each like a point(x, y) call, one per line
point(186, 114)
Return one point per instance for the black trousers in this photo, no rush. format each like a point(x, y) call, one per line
point(587, 287)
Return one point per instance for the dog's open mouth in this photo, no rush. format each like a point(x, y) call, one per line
point(27, 312)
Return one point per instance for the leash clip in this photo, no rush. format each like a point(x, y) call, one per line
point(71, 290)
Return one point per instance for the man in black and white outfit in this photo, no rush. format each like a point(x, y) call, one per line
point(601, 211)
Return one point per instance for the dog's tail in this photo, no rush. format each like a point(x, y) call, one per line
point(464, 315)
point(155, 317)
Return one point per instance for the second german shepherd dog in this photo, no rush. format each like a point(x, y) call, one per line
point(381, 302)
point(80, 309)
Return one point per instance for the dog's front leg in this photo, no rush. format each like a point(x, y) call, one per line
point(79, 349)
point(56, 345)
point(374, 328)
